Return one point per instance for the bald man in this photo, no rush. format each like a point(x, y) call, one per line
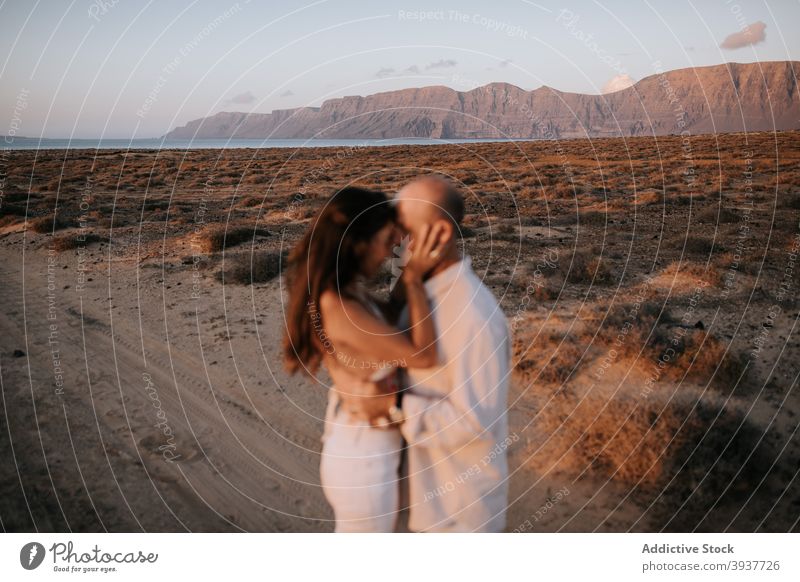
point(453, 416)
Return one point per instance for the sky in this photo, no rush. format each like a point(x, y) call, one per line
point(137, 68)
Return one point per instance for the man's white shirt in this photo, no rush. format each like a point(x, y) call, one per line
point(456, 413)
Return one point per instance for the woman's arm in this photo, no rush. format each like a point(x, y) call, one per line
point(359, 338)
point(422, 333)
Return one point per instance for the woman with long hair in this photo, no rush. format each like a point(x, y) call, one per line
point(333, 320)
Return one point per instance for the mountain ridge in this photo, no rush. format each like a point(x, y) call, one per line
point(724, 98)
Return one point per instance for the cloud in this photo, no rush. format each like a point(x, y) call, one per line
point(750, 34)
point(384, 72)
point(242, 98)
point(618, 83)
point(287, 93)
point(504, 63)
point(414, 69)
point(442, 64)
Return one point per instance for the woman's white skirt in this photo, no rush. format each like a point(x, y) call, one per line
point(359, 471)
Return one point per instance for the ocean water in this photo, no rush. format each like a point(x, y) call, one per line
point(30, 143)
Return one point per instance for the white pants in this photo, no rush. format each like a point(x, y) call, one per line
point(359, 471)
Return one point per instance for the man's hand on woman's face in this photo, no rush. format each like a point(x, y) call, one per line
point(427, 249)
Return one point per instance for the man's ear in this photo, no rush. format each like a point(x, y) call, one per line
point(448, 230)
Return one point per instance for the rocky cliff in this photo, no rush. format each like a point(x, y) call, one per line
point(717, 99)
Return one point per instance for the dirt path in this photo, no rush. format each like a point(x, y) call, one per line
point(142, 434)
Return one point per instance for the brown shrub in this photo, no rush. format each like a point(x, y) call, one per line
point(250, 201)
point(695, 245)
point(250, 268)
point(586, 267)
point(691, 353)
point(548, 360)
point(609, 436)
point(47, 224)
point(790, 201)
point(466, 232)
point(504, 232)
point(717, 215)
point(9, 209)
point(699, 272)
point(679, 200)
point(593, 218)
point(678, 442)
point(215, 238)
point(473, 220)
point(507, 228)
point(9, 219)
point(75, 240)
point(697, 356)
point(560, 191)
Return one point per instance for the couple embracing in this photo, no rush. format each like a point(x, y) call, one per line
point(419, 380)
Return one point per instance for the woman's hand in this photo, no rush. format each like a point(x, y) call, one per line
point(351, 325)
point(426, 251)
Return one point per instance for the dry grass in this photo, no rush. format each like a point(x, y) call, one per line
point(692, 353)
point(695, 245)
point(9, 219)
point(75, 240)
point(250, 268)
point(622, 202)
point(586, 266)
point(552, 359)
point(683, 276)
point(717, 215)
point(700, 357)
point(644, 334)
point(47, 224)
point(678, 441)
point(215, 238)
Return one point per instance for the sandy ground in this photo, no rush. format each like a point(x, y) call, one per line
point(141, 393)
point(246, 435)
point(135, 373)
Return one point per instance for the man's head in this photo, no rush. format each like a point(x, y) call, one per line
point(430, 200)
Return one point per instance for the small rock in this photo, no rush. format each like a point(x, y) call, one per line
point(18, 353)
point(699, 324)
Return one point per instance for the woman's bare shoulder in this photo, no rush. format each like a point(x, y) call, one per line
point(329, 300)
point(334, 305)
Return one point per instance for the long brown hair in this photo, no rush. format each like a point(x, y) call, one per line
point(326, 258)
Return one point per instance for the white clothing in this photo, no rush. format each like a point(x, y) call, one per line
point(456, 422)
point(359, 471)
point(359, 464)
